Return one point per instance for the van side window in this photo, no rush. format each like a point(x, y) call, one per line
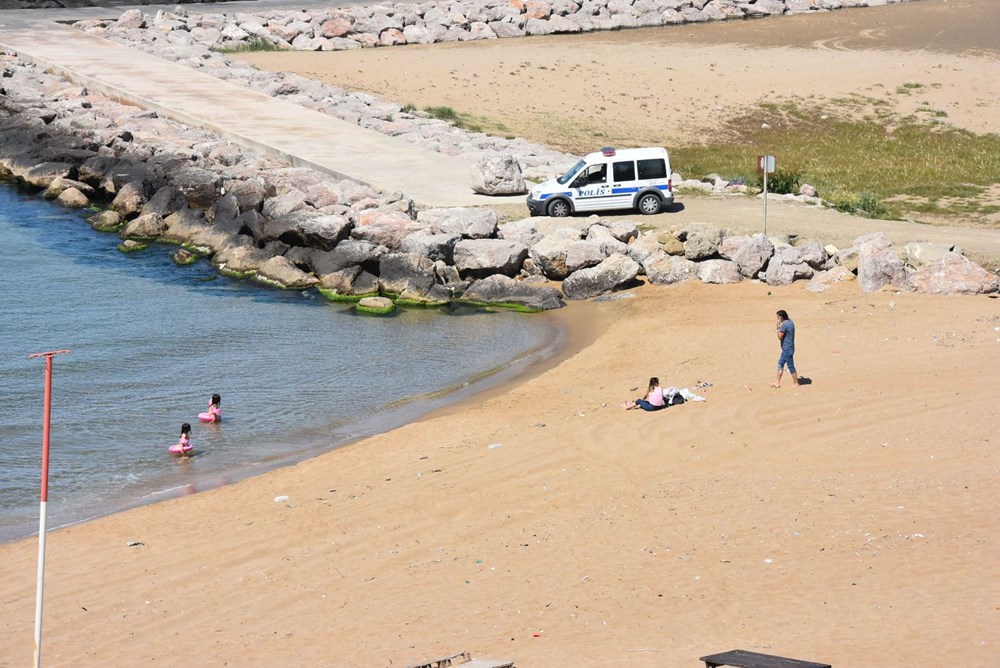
point(625, 171)
point(651, 169)
point(597, 174)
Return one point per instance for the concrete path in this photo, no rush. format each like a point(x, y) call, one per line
point(303, 137)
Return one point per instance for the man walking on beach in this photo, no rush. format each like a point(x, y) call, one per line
point(786, 337)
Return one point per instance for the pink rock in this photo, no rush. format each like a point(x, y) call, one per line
point(335, 28)
point(392, 37)
point(954, 274)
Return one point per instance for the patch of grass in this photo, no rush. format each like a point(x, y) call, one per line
point(909, 86)
point(254, 44)
point(862, 164)
point(467, 121)
point(442, 113)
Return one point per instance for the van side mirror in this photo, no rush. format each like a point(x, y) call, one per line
point(579, 182)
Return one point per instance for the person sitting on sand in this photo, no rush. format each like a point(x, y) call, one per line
point(653, 399)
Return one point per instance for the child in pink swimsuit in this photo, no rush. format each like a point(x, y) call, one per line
point(215, 408)
point(184, 444)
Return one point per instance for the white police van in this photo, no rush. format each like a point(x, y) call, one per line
point(633, 178)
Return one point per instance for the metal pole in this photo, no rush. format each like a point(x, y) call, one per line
point(765, 196)
point(45, 499)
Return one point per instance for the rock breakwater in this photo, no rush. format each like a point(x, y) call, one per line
point(289, 227)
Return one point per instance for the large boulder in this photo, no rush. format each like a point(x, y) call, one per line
point(498, 289)
point(702, 243)
point(183, 226)
point(954, 274)
point(558, 258)
point(242, 257)
point(280, 272)
point(72, 198)
point(250, 193)
point(470, 223)
point(348, 253)
point(164, 202)
point(406, 273)
point(663, 269)
point(478, 258)
point(749, 253)
point(811, 253)
point(199, 187)
point(60, 185)
point(131, 198)
point(921, 253)
point(614, 273)
point(324, 232)
point(878, 264)
point(608, 241)
point(719, 271)
point(349, 282)
point(42, 175)
point(384, 227)
point(106, 221)
point(786, 266)
point(433, 246)
point(122, 172)
point(93, 169)
point(847, 258)
point(644, 246)
point(498, 175)
point(149, 226)
point(282, 205)
point(822, 281)
point(524, 231)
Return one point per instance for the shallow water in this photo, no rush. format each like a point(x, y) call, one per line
point(151, 342)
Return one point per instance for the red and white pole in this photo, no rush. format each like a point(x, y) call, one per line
point(45, 498)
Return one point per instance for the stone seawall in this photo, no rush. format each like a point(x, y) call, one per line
point(392, 24)
point(73, 4)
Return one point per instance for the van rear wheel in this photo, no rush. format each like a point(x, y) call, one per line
point(649, 204)
point(558, 208)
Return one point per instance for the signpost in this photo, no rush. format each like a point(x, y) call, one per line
point(765, 166)
point(45, 498)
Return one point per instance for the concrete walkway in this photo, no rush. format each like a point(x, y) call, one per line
point(303, 137)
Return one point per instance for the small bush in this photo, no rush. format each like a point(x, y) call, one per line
point(781, 182)
point(442, 113)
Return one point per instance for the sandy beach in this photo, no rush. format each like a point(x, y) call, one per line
point(852, 520)
point(672, 85)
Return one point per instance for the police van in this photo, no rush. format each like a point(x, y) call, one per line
point(633, 178)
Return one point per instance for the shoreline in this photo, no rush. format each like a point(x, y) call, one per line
point(318, 440)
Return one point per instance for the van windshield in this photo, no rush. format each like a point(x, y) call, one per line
point(564, 179)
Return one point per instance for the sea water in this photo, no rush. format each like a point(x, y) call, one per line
point(151, 342)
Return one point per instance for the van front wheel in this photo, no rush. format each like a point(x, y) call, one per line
point(649, 204)
point(558, 208)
